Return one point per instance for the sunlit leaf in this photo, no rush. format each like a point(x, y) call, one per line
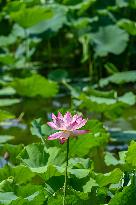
point(15, 173)
point(127, 196)
point(4, 115)
point(58, 75)
point(119, 78)
point(35, 85)
point(7, 91)
point(11, 151)
point(25, 16)
point(7, 197)
point(53, 24)
point(5, 138)
point(97, 137)
point(109, 39)
point(42, 160)
point(8, 101)
point(88, 186)
point(110, 159)
point(109, 178)
point(128, 25)
point(130, 155)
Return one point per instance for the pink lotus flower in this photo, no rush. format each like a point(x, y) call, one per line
point(68, 125)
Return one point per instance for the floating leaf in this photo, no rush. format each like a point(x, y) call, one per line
point(127, 196)
point(110, 178)
point(58, 75)
point(128, 25)
point(53, 24)
point(4, 115)
point(130, 156)
point(97, 137)
point(7, 197)
point(119, 78)
point(25, 16)
point(88, 186)
point(109, 39)
point(9, 101)
point(42, 160)
point(128, 98)
point(15, 173)
point(110, 159)
point(5, 138)
point(7, 91)
point(122, 3)
point(35, 85)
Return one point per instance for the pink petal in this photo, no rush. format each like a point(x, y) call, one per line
point(80, 132)
point(72, 126)
point(81, 123)
point(53, 117)
point(67, 117)
point(60, 135)
point(60, 116)
point(75, 117)
point(52, 125)
point(60, 123)
point(54, 136)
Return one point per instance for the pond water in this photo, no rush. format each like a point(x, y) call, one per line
point(30, 109)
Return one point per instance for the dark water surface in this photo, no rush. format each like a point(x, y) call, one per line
point(30, 109)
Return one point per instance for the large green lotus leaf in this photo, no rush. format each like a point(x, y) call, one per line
point(128, 98)
point(119, 78)
point(7, 185)
point(35, 85)
point(109, 39)
point(42, 160)
point(4, 115)
point(127, 196)
point(15, 173)
point(101, 104)
point(8, 101)
point(7, 59)
point(96, 138)
point(11, 151)
point(35, 194)
point(110, 159)
point(28, 194)
point(53, 24)
point(20, 201)
point(34, 156)
point(89, 185)
point(7, 197)
point(73, 197)
point(28, 17)
point(113, 177)
point(122, 3)
point(131, 156)
point(7, 91)
point(5, 138)
point(39, 129)
point(7, 40)
point(83, 6)
point(99, 93)
point(132, 4)
point(128, 25)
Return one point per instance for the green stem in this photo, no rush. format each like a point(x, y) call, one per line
point(26, 45)
point(65, 183)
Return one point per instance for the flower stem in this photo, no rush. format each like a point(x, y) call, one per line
point(65, 183)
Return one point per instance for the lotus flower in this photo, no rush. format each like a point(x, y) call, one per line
point(67, 125)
